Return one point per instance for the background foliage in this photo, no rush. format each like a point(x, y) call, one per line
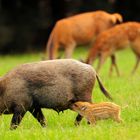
point(25, 24)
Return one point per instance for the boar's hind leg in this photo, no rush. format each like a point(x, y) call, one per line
point(16, 119)
point(78, 119)
point(37, 113)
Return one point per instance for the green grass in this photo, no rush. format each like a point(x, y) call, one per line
point(125, 91)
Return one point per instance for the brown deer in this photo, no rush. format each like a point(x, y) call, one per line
point(78, 30)
point(114, 39)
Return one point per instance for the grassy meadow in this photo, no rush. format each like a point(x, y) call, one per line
point(124, 89)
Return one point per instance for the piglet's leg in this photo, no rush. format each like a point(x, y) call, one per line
point(69, 50)
point(117, 118)
point(91, 119)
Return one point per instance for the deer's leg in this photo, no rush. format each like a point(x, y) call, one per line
point(113, 63)
point(102, 59)
point(69, 50)
point(136, 65)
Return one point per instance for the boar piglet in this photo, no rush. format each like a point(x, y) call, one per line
point(54, 84)
point(98, 111)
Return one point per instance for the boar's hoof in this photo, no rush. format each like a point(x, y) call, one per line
point(13, 127)
point(43, 124)
point(77, 123)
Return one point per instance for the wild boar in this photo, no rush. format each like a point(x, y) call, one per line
point(98, 111)
point(80, 29)
point(116, 38)
point(54, 84)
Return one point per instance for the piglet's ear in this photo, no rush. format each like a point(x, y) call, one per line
point(83, 108)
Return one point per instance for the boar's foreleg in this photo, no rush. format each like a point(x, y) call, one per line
point(37, 113)
point(78, 119)
point(16, 119)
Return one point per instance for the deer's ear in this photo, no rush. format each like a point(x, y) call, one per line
point(116, 18)
point(83, 108)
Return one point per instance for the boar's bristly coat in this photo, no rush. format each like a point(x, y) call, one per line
point(54, 84)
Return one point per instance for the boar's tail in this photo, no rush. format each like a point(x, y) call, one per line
point(105, 92)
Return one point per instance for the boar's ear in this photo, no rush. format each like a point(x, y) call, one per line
point(83, 108)
point(116, 18)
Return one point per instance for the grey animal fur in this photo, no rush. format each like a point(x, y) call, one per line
point(54, 84)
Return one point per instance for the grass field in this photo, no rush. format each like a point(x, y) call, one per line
point(125, 91)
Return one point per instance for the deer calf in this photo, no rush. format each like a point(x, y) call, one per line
point(114, 39)
point(97, 111)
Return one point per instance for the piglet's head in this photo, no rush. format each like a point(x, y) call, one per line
point(80, 106)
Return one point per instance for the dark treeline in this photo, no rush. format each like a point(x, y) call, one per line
point(25, 24)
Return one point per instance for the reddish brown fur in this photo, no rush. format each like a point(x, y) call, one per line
point(79, 29)
point(114, 39)
point(97, 111)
